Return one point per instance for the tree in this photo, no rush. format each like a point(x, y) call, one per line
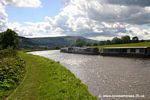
point(116, 40)
point(108, 42)
point(102, 42)
point(88, 44)
point(56, 48)
point(125, 39)
point(135, 39)
point(9, 38)
point(95, 44)
point(80, 42)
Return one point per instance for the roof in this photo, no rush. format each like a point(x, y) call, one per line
point(125, 47)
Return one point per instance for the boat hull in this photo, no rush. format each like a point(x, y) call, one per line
point(80, 50)
point(126, 55)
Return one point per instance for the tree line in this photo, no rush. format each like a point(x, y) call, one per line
point(122, 40)
point(115, 40)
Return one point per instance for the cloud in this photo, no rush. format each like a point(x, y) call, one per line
point(3, 16)
point(100, 10)
point(24, 3)
point(21, 30)
point(137, 31)
point(103, 17)
point(97, 19)
point(142, 3)
point(18, 3)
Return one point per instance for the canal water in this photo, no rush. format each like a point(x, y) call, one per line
point(108, 78)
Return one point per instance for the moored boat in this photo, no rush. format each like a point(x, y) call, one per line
point(126, 51)
point(81, 50)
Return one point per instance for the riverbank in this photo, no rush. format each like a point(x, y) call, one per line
point(48, 80)
point(141, 44)
point(12, 71)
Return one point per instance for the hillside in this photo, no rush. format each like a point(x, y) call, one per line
point(51, 42)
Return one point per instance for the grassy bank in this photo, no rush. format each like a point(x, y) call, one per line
point(12, 71)
point(141, 44)
point(126, 45)
point(48, 80)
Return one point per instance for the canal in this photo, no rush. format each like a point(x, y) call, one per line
point(108, 76)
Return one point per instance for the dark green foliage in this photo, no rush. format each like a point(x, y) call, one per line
point(122, 40)
point(8, 53)
point(108, 42)
point(125, 39)
point(12, 70)
point(11, 66)
point(135, 39)
point(56, 48)
point(116, 40)
point(8, 39)
point(95, 44)
point(102, 43)
point(88, 44)
point(80, 42)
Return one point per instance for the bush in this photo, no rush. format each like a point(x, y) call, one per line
point(12, 70)
point(7, 53)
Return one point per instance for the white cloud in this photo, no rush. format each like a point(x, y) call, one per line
point(99, 19)
point(21, 30)
point(24, 3)
point(3, 16)
point(4, 24)
point(102, 38)
point(137, 31)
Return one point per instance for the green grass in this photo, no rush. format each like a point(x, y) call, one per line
point(48, 80)
point(126, 45)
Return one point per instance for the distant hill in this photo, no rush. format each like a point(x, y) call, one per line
point(51, 42)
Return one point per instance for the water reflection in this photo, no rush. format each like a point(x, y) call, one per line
point(107, 75)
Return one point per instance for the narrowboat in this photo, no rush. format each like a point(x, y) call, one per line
point(81, 50)
point(126, 51)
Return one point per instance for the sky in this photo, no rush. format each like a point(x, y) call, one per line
point(49, 8)
point(94, 19)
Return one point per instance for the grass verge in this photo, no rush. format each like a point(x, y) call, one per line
point(48, 80)
point(12, 70)
point(127, 45)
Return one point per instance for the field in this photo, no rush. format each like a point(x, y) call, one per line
point(48, 80)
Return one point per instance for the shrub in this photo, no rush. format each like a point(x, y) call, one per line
point(12, 70)
point(7, 53)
